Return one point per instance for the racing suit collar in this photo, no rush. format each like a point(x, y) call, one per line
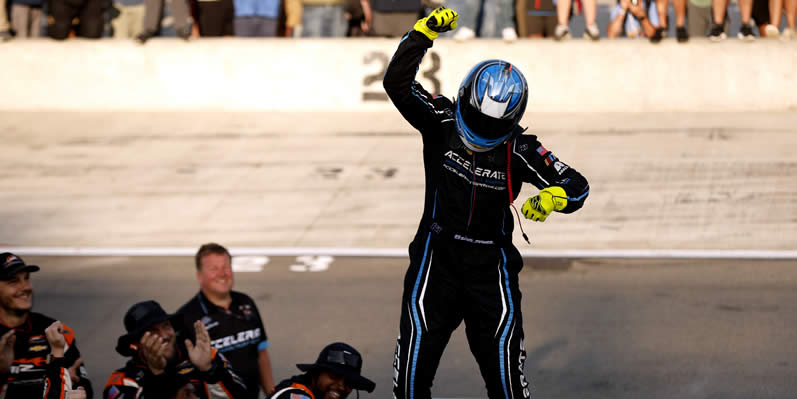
point(25, 327)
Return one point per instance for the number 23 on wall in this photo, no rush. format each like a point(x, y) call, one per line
point(372, 90)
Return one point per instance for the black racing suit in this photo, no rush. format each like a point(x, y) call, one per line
point(463, 265)
point(31, 376)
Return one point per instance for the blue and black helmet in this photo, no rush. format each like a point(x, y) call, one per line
point(490, 104)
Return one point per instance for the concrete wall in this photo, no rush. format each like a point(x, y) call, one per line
point(335, 75)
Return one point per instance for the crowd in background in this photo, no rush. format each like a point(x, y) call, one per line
point(507, 19)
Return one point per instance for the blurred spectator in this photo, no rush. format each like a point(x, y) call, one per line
point(681, 33)
point(256, 18)
point(232, 318)
point(128, 21)
point(26, 17)
point(484, 18)
point(563, 14)
point(699, 17)
point(153, 13)
point(29, 339)
point(719, 9)
point(89, 14)
point(323, 18)
point(536, 19)
point(391, 18)
point(215, 18)
point(761, 17)
point(359, 16)
point(775, 9)
point(293, 17)
point(160, 364)
point(5, 27)
point(629, 18)
point(335, 373)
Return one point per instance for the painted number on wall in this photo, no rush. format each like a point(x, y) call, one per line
point(372, 83)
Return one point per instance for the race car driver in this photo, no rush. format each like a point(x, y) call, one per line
point(463, 264)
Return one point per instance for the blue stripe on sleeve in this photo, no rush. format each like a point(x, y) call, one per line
point(579, 198)
point(262, 345)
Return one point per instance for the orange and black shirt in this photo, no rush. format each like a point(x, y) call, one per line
point(136, 381)
point(296, 387)
point(30, 375)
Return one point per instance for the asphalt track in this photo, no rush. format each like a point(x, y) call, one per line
point(659, 181)
point(594, 328)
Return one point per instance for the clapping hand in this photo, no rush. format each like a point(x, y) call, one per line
point(55, 337)
point(153, 349)
point(201, 354)
point(7, 351)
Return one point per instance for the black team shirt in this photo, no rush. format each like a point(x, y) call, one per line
point(238, 333)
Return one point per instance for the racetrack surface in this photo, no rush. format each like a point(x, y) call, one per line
point(594, 328)
point(355, 180)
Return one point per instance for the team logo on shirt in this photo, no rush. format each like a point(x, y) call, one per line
point(478, 172)
point(246, 310)
point(37, 339)
point(208, 322)
point(38, 348)
point(243, 338)
point(28, 368)
point(560, 167)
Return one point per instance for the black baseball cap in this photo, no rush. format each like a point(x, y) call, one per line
point(140, 318)
point(344, 360)
point(12, 265)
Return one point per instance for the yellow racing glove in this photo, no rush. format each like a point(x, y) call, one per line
point(440, 20)
point(538, 207)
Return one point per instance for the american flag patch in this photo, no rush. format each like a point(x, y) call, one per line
point(298, 396)
point(541, 150)
point(114, 393)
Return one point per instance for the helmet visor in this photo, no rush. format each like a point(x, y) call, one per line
point(472, 139)
point(483, 125)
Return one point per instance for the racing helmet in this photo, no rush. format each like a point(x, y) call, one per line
point(490, 103)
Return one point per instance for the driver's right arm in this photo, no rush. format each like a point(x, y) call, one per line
point(416, 105)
